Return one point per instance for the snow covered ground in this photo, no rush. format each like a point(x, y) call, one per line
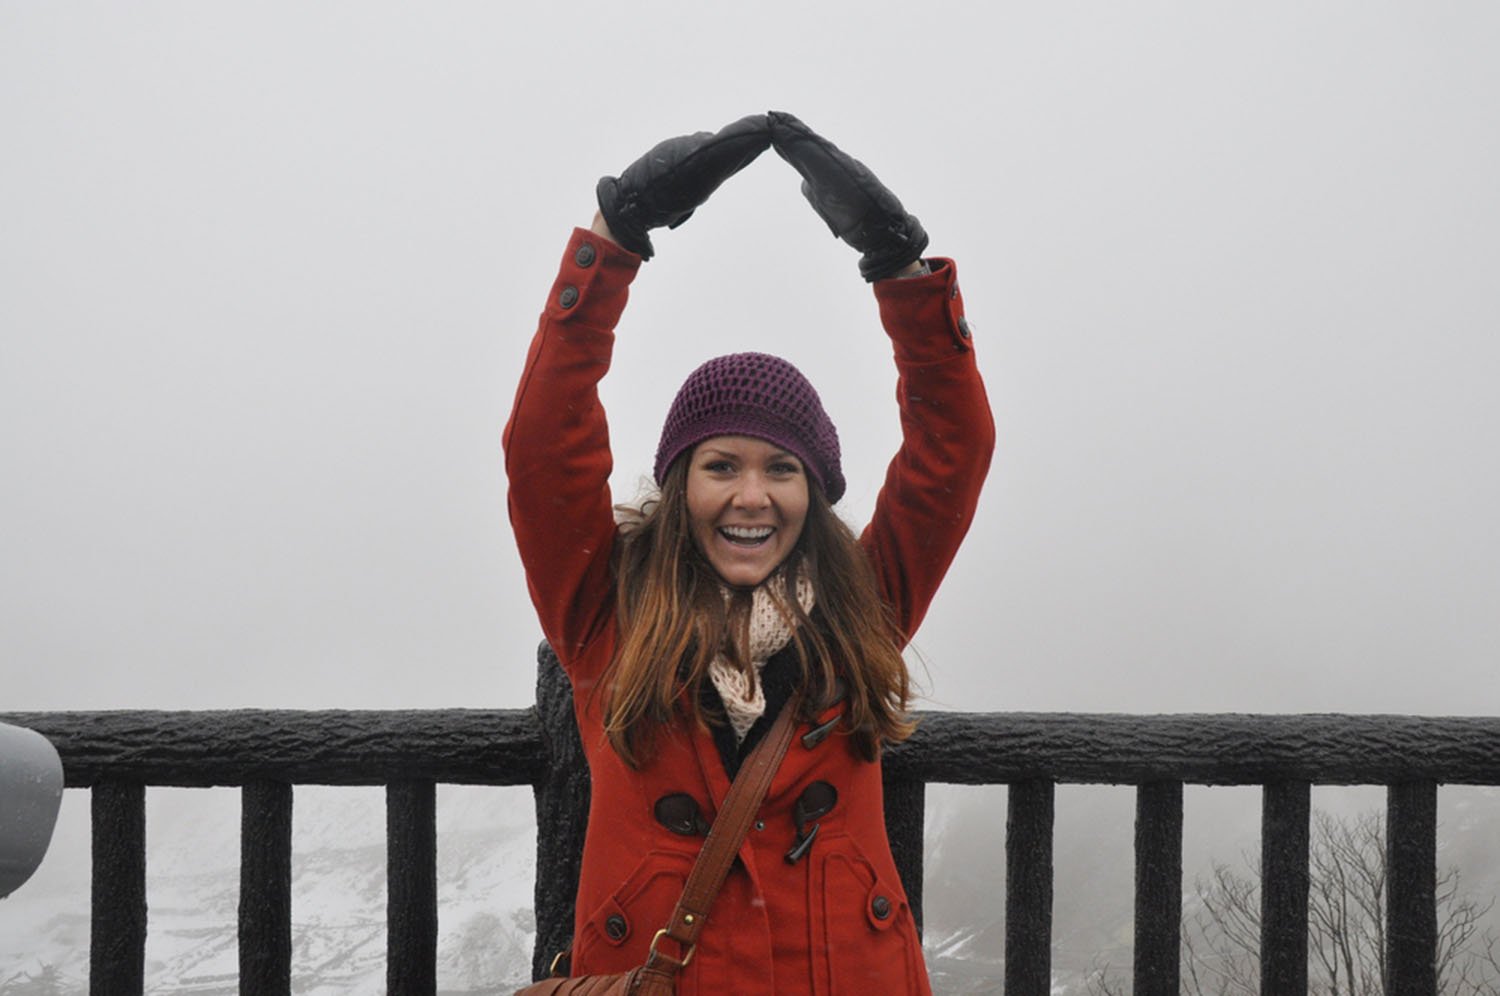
point(485, 865)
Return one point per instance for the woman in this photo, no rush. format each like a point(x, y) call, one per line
point(687, 627)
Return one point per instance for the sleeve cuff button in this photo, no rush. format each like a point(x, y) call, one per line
point(568, 297)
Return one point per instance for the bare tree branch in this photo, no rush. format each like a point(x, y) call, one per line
point(1346, 924)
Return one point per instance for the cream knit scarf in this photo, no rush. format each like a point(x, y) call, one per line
point(771, 624)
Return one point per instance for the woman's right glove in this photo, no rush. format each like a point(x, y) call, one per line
point(847, 196)
point(667, 184)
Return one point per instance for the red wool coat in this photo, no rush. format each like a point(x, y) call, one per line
point(837, 920)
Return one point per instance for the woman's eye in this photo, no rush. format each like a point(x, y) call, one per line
point(786, 469)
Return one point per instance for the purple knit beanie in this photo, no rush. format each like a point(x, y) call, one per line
point(754, 394)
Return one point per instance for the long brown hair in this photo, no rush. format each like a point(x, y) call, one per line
point(674, 620)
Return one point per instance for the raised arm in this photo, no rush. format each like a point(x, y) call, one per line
point(948, 434)
point(932, 486)
point(557, 454)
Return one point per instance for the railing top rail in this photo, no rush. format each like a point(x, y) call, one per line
point(323, 747)
point(505, 747)
point(1204, 749)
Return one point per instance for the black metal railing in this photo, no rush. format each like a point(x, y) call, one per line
point(118, 754)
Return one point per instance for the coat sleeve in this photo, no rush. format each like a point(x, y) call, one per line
point(557, 455)
point(932, 486)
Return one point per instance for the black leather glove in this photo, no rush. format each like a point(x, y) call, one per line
point(847, 196)
point(664, 186)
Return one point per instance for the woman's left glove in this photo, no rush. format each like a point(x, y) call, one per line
point(667, 184)
point(847, 196)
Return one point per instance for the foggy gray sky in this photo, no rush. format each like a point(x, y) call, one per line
point(268, 272)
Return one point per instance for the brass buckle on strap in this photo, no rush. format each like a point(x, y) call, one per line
point(668, 959)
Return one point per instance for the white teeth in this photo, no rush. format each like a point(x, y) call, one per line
point(750, 533)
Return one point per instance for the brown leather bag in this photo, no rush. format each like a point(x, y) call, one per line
point(604, 985)
point(658, 976)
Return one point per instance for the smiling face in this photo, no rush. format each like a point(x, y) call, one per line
point(747, 504)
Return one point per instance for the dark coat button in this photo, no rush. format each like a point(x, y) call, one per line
point(963, 328)
point(585, 255)
point(881, 907)
point(815, 802)
point(679, 813)
point(568, 297)
point(615, 926)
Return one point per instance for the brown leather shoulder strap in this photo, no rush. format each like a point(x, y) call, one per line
point(724, 840)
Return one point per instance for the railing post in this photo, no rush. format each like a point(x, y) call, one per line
point(1158, 888)
point(1028, 888)
point(265, 931)
point(411, 887)
point(1286, 809)
point(117, 946)
point(1411, 903)
point(905, 817)
point(562, 808)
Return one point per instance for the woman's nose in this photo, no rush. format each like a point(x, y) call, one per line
point(752, 492)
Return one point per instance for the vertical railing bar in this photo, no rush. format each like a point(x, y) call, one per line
point(117, 945)
point(1411, 899)
point(562, 813)
point(411, 884)
point(1028, 888)
point(265, 913)
point(1158, 888)
point(1286, 812)
point(905, 819)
